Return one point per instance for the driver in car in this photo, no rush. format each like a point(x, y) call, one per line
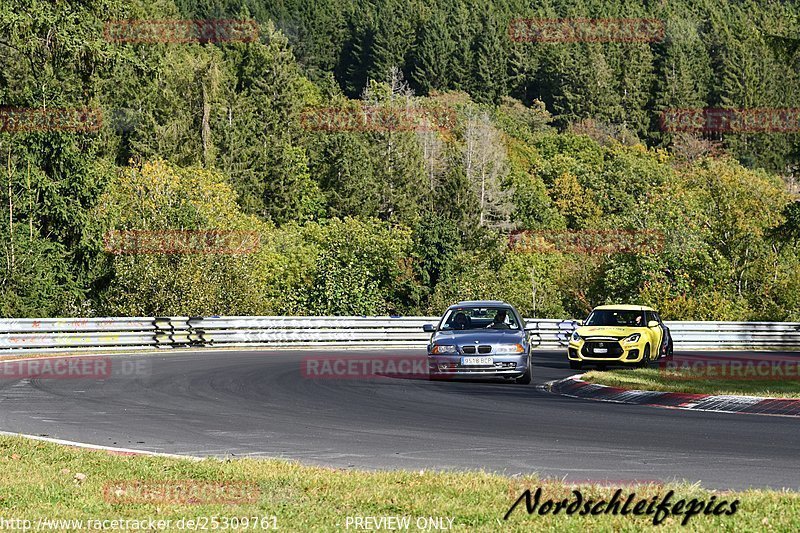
point(499, 321)
point(460, 321)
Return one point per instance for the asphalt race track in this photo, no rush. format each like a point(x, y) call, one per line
point(259, 403)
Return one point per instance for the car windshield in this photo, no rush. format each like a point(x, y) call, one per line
point(461, 318)
point(612, 317)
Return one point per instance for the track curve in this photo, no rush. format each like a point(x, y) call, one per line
point(258, 403)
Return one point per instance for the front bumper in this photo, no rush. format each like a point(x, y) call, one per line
point(509, 366)
point(616, 351)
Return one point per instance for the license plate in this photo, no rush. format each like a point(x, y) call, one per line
point(477, 361)
point(601, 350)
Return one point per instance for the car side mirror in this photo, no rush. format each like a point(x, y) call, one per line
point(652, 324)
point(428, 328)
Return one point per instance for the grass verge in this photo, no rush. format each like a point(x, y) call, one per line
point(658, 380)
point(47, 481)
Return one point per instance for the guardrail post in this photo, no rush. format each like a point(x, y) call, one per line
point(164, 331)
point(196, 335)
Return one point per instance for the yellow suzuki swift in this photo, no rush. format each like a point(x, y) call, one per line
point(619, 334)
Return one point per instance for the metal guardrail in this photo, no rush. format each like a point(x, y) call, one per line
point(21, 336)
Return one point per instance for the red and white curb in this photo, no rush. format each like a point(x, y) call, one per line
point(574, 387)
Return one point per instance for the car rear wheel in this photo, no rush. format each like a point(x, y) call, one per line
point(525, 378)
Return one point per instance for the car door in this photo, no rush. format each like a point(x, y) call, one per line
point(656, 333)
point(665, 334)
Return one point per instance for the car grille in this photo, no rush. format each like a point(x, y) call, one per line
point(483, 348)
point(613, 347)
point(445, 368)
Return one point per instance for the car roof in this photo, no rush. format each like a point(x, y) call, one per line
point(626, 307)
point(481, 303)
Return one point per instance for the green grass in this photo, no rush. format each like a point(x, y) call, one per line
point(56, 482)
point(658, 380)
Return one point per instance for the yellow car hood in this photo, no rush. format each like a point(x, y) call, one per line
point(611, 331)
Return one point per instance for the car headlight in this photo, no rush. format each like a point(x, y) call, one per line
point(508, 348)
point(633, 338)
point(575, 337)
point(443, 348)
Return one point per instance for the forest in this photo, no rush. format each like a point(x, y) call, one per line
point(384, 153)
